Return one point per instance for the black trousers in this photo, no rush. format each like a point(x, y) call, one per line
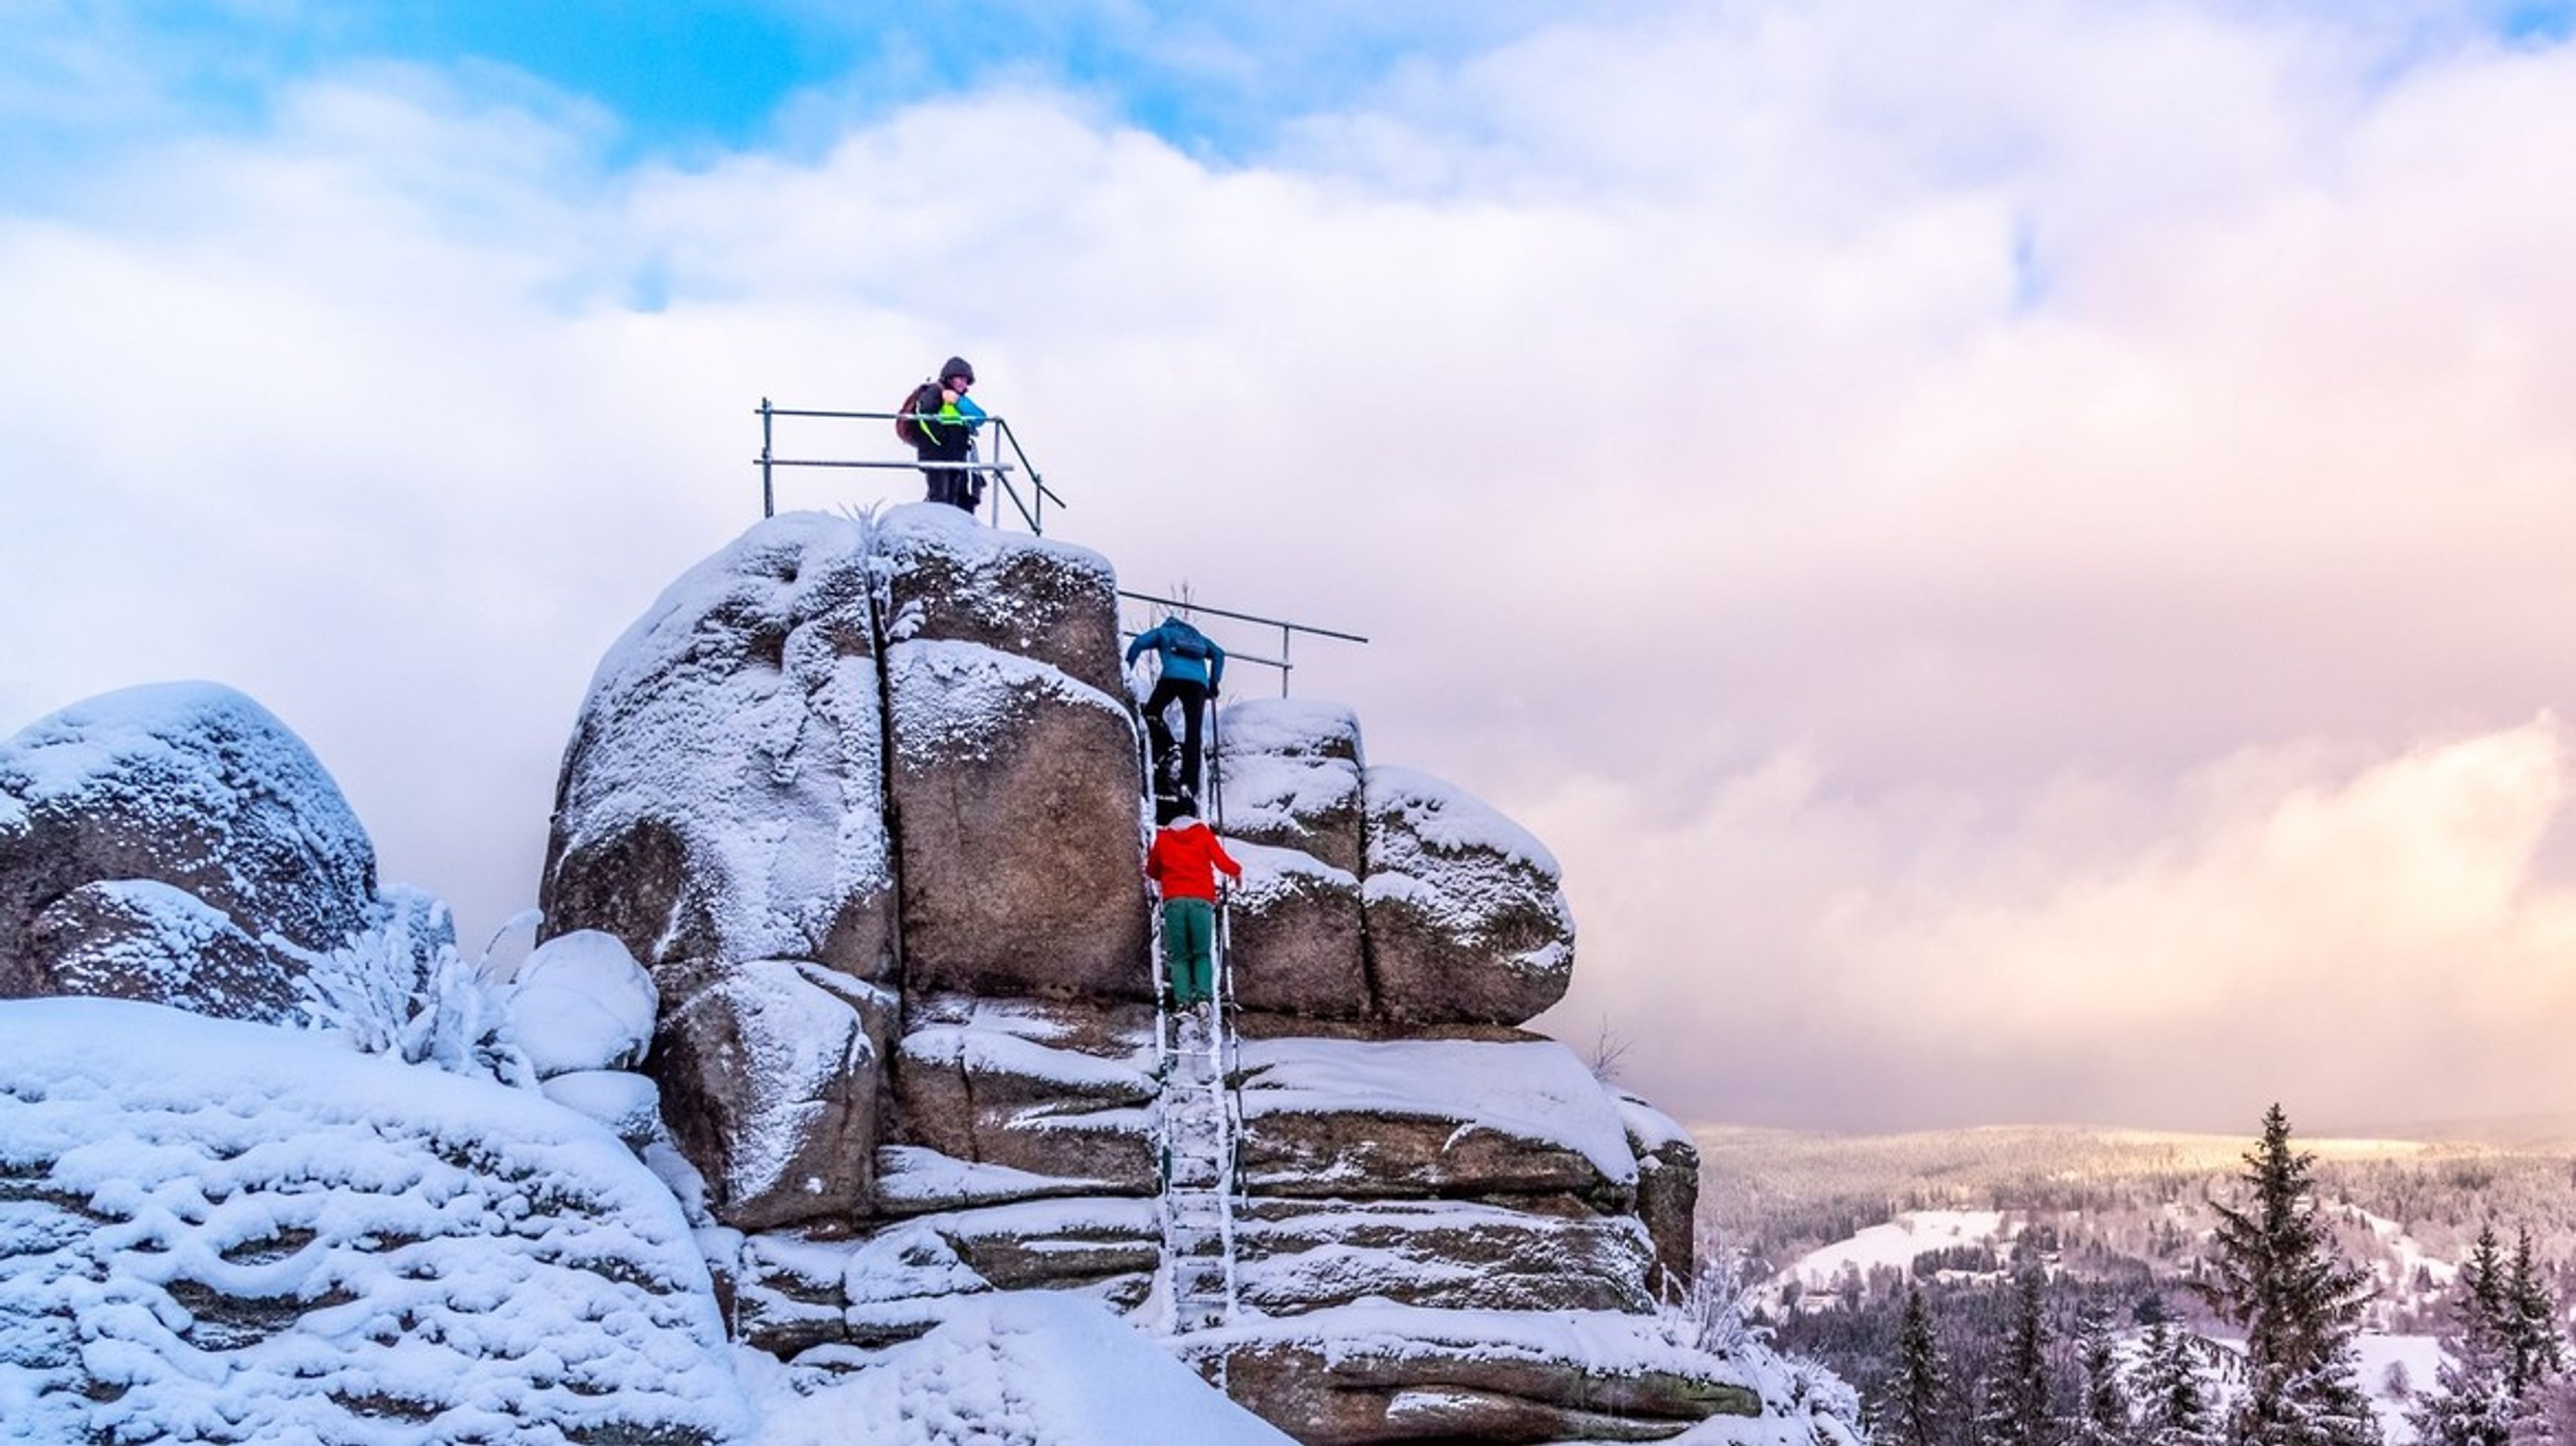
point(1191, 694)
point(954, 486)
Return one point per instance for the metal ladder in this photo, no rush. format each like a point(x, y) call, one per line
point(1198, 1115)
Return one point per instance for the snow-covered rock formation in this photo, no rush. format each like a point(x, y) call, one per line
point(825, 1100)
point(177, 844)
point(1449, 1227)
point(218, 1231)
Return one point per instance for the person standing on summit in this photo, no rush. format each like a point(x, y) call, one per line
point(939, 420)
point(1193, 666)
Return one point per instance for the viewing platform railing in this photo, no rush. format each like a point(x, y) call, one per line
point(1287, 630)
point(1032, 507)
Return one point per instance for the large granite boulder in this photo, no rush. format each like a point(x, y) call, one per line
point(1357, 1119)
point(1466, 923)
point(1381, 1371)
point(174, 843)
point(1303, 1256)
point(722, 798)
point(1017, 794)
point(225, 1232)
point(1031, 1088)
point(771, 1080)
point(949, 578)
point(1667, 1191)
point(1298, 946)
point(1289, 776)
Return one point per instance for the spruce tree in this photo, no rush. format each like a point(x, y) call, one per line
point(1913, 1414)
point(2472, 1402)
point(2278, 1276)
point(2105, 1419)
point(2173, 1408)
point(2528, 1313)
point(2017, 1407)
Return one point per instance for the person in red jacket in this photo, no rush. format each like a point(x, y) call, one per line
point(1183, 864)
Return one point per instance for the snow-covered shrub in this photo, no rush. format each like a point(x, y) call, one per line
point(399, 987)
point(1715, 1313)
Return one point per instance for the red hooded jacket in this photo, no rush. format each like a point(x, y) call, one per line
point(1184, 860)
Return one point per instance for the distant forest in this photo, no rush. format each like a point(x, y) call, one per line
point(2118, 1223)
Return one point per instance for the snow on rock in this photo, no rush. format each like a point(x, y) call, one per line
point(628, 1104)
point(798, 1294)
point(770, 1080)
point(1428, 1117)
point(1015, 790)
point(1667, 1186)
point(1304, 1256)
point(949, 577)
point(1298, 949)
point(144, 940)
point(1378, 1371)
point(1465, 918)
point(581, 1002)
point(196, 788)
point(974, 1084)
point(1031, 1369)
point(223, 1232)
point(1289, 777)
point(912, 1180)
point(721, 798)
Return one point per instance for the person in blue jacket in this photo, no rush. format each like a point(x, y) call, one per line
point(1193, 666)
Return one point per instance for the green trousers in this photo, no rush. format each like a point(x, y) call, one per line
point(1189, 940)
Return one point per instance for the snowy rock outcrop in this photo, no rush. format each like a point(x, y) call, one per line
point(174, 843)
point(722, 813)
point(1015, 774)
point(975, 1111)
point(1379, 895)
point(217, 1231)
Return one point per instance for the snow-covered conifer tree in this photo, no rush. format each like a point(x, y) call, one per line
point(2277, 1274)
point(2472, 1401)
point(2018, 1410)
point(1913, 1414)
point(2173, 1404)
point(2106, 1419)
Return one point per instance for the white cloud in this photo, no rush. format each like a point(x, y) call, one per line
point(1852, 480)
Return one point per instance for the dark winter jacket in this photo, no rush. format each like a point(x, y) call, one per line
point(1184, 861)
point(1189, 656)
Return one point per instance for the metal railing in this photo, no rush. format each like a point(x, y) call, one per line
point(1284, 663)
point(1032, 508)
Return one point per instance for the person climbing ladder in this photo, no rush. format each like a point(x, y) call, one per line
point(1192, 668)
point(1183, 863)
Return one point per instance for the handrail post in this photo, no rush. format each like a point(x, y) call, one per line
point(1285, 664)
point(768, 499)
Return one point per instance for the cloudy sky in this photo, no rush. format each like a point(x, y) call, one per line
point(2018, 552)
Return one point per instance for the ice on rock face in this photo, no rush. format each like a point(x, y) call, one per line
point(581, 1002)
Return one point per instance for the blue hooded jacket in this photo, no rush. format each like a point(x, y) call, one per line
point(1189, 656)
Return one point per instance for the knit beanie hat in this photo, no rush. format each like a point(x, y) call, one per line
point(956, 367)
